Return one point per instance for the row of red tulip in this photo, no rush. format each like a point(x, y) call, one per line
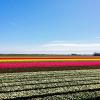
point(47, 64)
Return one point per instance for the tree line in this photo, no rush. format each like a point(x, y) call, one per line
point(94, 54)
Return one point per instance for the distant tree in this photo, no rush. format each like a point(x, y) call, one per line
point(75, 55)
point(96, 54)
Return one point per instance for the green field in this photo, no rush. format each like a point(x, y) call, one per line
point(51, 85)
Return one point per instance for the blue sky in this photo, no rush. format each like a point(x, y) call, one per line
point(32, 26)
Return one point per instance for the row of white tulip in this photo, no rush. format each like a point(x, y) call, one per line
point(72, 96)
point(32, 82)
point(53, 79)
point(48, 85)
point(44, 83)
point(48, 91)
point(50, 76)
point(50, 73)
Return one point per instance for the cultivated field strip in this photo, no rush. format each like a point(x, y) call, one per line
point(46, 60)
point(52, 79)
point(47, 86)
point(72, 96)
point(49, 76)
point(71, 82)
point(48, 73)
point(51, 85)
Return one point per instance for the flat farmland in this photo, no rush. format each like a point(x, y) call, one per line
point(51, 85)
point(45, 63)
point(50, 78)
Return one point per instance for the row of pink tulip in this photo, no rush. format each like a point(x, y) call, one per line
point(47, 64)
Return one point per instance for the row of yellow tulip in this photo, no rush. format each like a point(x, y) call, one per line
point(44, 60)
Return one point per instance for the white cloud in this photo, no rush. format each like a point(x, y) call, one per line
point(56, 48)
point(98, 37)
point(72, 47)
point(70, 44)
point(58, 41)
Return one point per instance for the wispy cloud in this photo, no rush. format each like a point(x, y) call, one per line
point(71, 44)
point(57, 48)
point(58, 41)
point(64, 47)
point(98, 37)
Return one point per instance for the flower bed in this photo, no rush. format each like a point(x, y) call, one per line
point(47, 64)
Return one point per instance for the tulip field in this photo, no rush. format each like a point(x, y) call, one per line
point(51, 85)
point(48, 63)
point(50, 78)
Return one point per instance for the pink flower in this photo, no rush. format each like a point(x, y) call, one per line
point(47, 64)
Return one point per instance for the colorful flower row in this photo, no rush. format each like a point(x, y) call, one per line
point(45, 60)
point(47, 64)
point(51, 57)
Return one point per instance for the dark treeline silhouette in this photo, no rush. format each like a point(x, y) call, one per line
point(96, 54)
point(73, 54)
